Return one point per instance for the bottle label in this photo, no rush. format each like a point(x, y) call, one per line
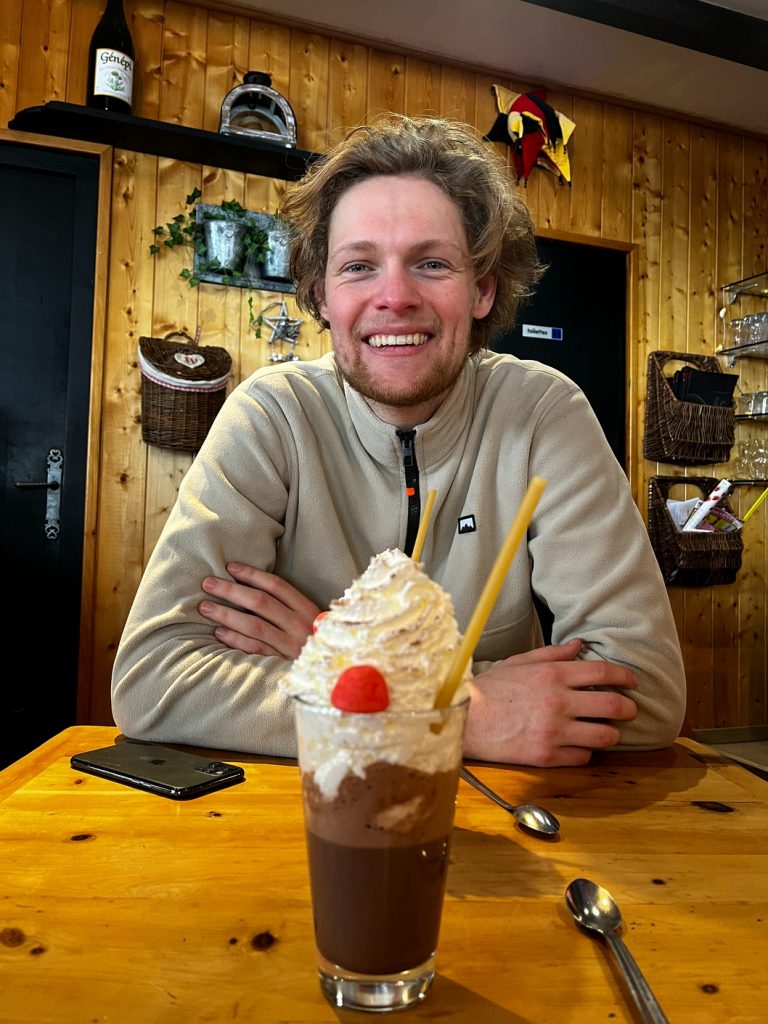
point(113, 75)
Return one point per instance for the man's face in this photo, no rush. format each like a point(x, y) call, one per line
point(400, 295)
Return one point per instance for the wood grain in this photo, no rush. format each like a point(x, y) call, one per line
point(347, 89)
point(308, 88)
point(119, 904)
point(691, 199)
point(11, 15)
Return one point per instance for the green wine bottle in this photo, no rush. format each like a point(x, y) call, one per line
point(110, 62)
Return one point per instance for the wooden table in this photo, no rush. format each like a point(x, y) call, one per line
point(116, 905)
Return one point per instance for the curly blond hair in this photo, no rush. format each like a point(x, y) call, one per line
point(452, 156)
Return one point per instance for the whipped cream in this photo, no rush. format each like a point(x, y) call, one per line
point(397, 619)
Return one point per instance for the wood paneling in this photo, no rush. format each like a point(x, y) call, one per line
point(688, 201)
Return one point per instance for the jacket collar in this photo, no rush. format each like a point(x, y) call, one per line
point(436, 440)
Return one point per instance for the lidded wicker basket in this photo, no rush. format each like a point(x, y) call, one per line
point(183, 386)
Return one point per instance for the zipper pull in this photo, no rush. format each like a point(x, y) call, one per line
point(406, 440)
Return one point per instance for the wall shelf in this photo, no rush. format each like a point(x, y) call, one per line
point(756, 416)
point(159, 138)
point(754, 350)
point(755, 285)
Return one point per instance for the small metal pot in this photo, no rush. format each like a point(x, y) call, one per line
point(277, 260)
point(224, 244)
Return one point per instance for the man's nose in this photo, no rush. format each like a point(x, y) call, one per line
point(397, 290)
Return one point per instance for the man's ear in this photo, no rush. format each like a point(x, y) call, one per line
point(485, 295)
point(318, 291)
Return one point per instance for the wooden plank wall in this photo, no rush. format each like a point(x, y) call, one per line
point(689, 200)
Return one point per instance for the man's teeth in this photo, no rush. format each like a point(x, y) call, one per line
point(380, 340)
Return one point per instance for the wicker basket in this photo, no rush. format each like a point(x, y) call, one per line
point(183, 386)
point(690, 559)
point(684, 433)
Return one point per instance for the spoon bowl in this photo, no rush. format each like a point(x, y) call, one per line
point(595, 909)
point(536, 820)
point(592, 906)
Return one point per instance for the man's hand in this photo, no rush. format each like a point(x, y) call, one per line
point(535, 708)
point(270, 616)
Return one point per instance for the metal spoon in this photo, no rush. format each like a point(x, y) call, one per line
point(594, 908)
point(534, 819)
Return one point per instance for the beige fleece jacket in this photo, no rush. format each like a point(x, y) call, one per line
point(299, 477)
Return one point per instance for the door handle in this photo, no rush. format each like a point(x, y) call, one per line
point(52, 484)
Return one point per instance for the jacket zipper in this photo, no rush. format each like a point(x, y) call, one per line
point(411, 487)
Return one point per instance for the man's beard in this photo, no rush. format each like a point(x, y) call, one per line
point(436, 384)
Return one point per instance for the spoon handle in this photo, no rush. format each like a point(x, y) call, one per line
point(473, 780)
point(646, 1001)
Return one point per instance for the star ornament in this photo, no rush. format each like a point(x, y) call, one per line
point(285, 330)
point(536, 132)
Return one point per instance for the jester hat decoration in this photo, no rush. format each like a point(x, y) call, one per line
point(536, 132)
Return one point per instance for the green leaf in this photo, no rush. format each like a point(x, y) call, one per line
point(158, 231)
point(154, 249)
point(186, 273)
point(193, 196)
point(232, 206)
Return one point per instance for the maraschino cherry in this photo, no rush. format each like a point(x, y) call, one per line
point(362, 689)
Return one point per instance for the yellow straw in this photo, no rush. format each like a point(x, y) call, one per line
point(490, 591)
point(421, 536)
point(756, 506)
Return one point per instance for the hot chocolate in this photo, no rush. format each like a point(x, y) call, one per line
point(379, 765)
point(378, 858)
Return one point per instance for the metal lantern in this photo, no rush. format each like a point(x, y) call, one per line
point(258, 111)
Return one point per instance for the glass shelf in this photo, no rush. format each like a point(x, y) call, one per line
point(755, 285)
point(749, 483)
point(754, 350)
point(751, 416)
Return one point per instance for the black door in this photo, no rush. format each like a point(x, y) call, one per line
point(576, 322)
point(48, 210)
point(581, 303)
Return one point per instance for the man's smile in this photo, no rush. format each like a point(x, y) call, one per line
point(390, 340)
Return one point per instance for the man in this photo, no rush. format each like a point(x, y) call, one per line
point(413, 248)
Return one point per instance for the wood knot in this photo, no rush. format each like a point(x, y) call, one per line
point(713, 805)
point(12, 937)
point(263, 940)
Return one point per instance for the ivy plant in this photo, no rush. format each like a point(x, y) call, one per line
point(188, 230)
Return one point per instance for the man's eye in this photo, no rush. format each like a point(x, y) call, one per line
point(356, 268)
point(433, 265)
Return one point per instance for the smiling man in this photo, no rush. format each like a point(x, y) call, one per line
point(400, 293)
point(413, 248)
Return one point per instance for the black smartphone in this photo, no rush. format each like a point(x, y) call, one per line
point(157, 769)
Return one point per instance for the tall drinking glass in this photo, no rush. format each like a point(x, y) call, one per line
point(379, 795)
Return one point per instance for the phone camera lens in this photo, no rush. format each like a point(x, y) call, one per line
point(216, 769)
